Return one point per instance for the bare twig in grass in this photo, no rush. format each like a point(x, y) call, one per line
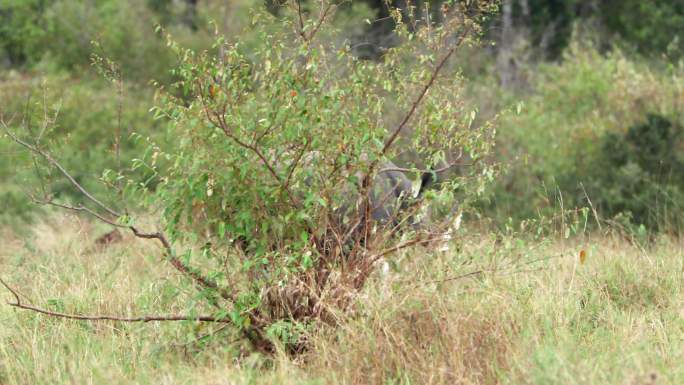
point(593, 209)
point(150, 318)
point(510, 269)
point(411, 243)
point(453, 278)
point(188, 271)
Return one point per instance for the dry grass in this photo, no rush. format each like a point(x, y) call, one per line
point(616, 319)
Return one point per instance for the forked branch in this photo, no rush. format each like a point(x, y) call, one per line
point(61, 169)
point(323, 15)
point(188, 271)
point(217, 118)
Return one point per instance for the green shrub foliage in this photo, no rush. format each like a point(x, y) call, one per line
point(279, 150)
point(281, 154)
point(641, 173)
point(599, 127)
point(59, 35)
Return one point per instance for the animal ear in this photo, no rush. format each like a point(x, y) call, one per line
point(426, 180)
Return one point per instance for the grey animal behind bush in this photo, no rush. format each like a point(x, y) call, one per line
point(390, 196)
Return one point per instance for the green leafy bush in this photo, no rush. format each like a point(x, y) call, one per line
point(275, 143)
point(22, 30)
point(278, 163)
point(581, 115)
point(59, 35)
point(641, 173)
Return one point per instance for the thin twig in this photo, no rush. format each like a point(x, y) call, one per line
point(295, 163)
point(413, 242)
point(436, 171)
point(505, 270)
point(422, 94)
point(173, 317)
point(168, 250)
point(57, 165)
point(323, 15)
point(454, 278)
point(593, 209)
point(367, 182)
point(11, 290)
point(301, 20)
point(80, 207)
point(321, 20)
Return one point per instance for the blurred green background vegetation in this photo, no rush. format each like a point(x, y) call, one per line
point(596, 90)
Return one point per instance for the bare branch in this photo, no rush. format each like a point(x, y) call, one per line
point(200, 279)
point(321, 19)
point(295, 163)
point(301, 20)
point(14, 292)
point(179, 265)
point(436, 171)
point(57, 165)
point(79, 207)
point(422, 94)
point(413, 242)
point(156, 318)
point(174, 317)
point(168, 250)
point(454, 278)
point(324, 13)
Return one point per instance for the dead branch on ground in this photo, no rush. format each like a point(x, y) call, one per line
point(149, 318)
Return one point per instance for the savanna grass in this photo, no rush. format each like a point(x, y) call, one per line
point(490, 310)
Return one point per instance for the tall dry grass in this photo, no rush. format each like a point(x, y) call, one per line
point(617, 318)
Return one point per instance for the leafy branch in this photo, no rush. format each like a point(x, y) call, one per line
point(118, 218)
